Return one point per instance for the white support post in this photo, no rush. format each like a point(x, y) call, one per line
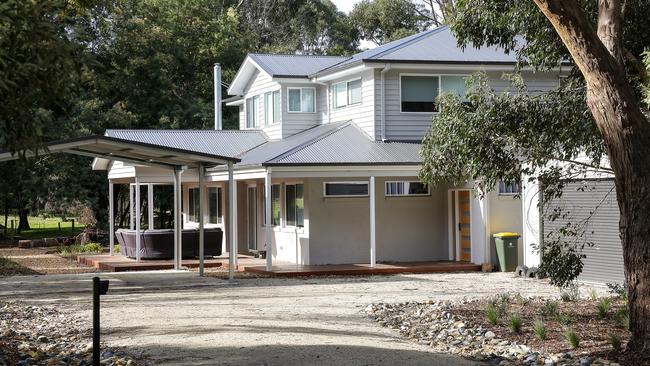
point(373, 251)
point(177, 220)
point(201, 218)
point(267, 216)
point(150, 206)
point(131, 209)
point(233, 224)
point(235, 244)
point(111, 220)
point(138, 218)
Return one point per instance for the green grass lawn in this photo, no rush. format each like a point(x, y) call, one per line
point(44, 227)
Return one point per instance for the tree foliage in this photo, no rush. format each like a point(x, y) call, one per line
point(504, 136)
point(382, 21)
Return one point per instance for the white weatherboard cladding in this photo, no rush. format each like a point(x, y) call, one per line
point(259, 84)
point(413, 126)
point(593, 201)
point(363, 114)
point(119, 170)
point(295, 122)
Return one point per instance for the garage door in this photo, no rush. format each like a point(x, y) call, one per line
point(590, 207)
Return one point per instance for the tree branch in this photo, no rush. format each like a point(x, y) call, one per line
point(610, 27)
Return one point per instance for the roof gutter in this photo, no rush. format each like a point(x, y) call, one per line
point(383, 101)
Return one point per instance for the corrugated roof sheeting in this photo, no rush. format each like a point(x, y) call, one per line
point(347, 145)
point(222, 142)
point(294, 65)
point(436, 45)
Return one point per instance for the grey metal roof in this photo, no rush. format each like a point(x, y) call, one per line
point(294, 65)
point(437, 45)
point(346, 144)
point(214, 142)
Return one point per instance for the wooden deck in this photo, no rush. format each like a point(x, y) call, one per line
point(119, 263)
point(364, 269)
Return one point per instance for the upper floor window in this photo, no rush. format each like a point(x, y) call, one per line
point(347, 93)
point(252, 105)
point(403, 188)
point(302, 100)
point(419, 92)
point(271, 107)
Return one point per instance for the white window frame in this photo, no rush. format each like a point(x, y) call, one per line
point(347, 93)
point(206, 202)
point(283, 204)
point(365, 182)
point(508, 194)
point(272, 108)
point(256, 117)
point(386, 194)
point(289, 88)
point(440, 76)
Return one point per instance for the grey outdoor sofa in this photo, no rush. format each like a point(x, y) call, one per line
point(159, 243)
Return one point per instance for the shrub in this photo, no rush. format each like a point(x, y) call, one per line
point(564, 319)
point(515, 322)
point(80, 248)
point(116, 248)
point(572, 338)
point(603, 307)
point(492, 314)
point(593, 294)
point(550, 308)
point(540, 329)
point(615, 341)
point(618, 290)
point(521, 300)
point(623, 317)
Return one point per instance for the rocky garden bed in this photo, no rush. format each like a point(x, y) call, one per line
point(512, 330)
point(43, 335)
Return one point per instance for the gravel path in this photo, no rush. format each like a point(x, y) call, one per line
point(273, 321)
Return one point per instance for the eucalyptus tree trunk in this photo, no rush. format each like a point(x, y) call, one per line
point(626, 133)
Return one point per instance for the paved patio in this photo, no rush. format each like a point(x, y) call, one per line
point(364, 269)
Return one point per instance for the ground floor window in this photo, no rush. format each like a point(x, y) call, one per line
point(275, 205)
point(404, 188)
point(509, 189)
point(193, 204)
point(345, 189)
point(295, 205)
point(215, 196)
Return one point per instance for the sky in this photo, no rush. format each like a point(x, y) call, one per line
point(346, 6)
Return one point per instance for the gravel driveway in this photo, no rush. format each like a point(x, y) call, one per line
point(273, 321)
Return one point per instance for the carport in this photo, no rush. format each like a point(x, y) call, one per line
point(145, 154)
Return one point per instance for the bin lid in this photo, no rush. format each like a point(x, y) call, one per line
point(506, 235)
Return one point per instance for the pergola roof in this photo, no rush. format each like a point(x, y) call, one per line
point(129, 151)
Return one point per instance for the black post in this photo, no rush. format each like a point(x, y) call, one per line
point(95, 321)
point(99, 288)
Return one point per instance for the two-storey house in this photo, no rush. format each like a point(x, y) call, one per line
point(330, 154)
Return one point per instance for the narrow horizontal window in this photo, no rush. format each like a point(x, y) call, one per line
point(404, 188)
point(509, 188)
point(419, 93)
point(345, 189)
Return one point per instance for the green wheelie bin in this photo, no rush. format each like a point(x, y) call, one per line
point(507, 245)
